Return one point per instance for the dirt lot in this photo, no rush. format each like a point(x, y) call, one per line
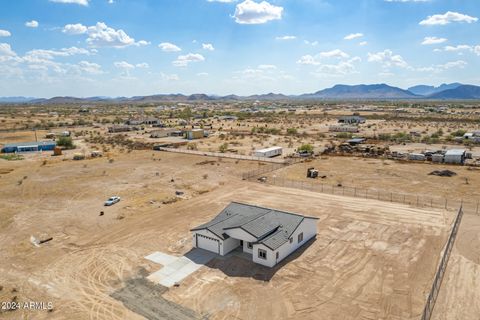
point(389, 176)
point(364, 264)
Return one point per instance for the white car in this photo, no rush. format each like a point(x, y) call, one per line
point(112, 200)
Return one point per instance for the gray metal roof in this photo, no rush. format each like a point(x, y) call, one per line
point(455, 152)
point(269, 226)
point(28, 144)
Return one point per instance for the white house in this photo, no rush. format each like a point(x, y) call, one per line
point(269, 235)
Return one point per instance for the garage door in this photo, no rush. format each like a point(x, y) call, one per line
point(208, 243)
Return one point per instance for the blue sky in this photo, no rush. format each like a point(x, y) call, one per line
point(139, 47)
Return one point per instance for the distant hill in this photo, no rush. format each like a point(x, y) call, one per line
point(424, 90)
point(16, 99)
point(362, 91)
point(463, 92)
point(338, 92)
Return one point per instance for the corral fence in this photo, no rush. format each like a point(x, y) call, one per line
point(442, 267)
point(224, 155)
point(470, 206)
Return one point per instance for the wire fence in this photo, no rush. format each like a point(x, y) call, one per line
point(442, 267)
point(471, 206)
point(224, 155)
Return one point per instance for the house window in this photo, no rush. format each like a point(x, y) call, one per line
point(249, 245)
point(262, 254)
point(300, 237)
point(291, 240)
point(277, 255)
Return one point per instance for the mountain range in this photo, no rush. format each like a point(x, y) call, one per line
point(452, 91)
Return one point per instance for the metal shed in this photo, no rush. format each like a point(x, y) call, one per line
point(455, 156)
point(29, 146)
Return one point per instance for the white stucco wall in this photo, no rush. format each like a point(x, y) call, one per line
point(245, 248)
point(309, 229)
point(269, 262)
point(207, 234)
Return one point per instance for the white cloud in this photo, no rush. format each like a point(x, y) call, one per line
point(51, 54)
point(388, 59)
point(170, 77)
point(286, 38)
point(76, 28)
point(185, 60)
point(311, 43)
point(343, 67)
point(80, 2)
point(267, 67)
point(208, 46)
point(5, 33)
point(433, 40)
point(477, 50)
point(101, 35)
point(446, 18)
point(460, 64)
point(337, 53)
point(32, 24)
point(308, 60)
point(6, 50)
point(90, 67)
point(142, 65)
point(169, 47)
point(353, 36)
point(460, 47)
point(363, 43)
point(202, 74)
point(316, 60)
point(251, 12)
point(123, 65)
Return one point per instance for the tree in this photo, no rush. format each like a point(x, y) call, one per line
point(223, 148)
point(306, 148)
point(66, 142)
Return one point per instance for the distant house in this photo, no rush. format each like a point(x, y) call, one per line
point(152, 121)
point(115, 129)
point(269, 235)
point(162, 133)
point(29, 146)
point(351, 119)
point(343, 128)
point(195, 134)
point(134, 122)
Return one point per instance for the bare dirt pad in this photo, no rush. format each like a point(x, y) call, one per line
point(145, 298)
point(371, 259)
point(460, 293)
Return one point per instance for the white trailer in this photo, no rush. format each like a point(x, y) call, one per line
point(268, 152)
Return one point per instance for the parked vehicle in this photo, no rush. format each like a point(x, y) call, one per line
point(112, 200)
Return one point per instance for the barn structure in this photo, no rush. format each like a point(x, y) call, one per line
point(269, 235)
point(29, 146)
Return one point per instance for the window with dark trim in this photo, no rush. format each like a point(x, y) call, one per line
point(262, 254)
point(277, 255)
point(300, 237)
point(291, 240)
point(249, 245)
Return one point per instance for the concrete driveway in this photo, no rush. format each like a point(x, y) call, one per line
point(175, 269)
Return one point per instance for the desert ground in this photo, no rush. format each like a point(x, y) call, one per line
point(366, 257)
point(371, 259)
